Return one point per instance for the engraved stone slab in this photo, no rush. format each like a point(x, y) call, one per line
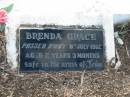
point(54, 49)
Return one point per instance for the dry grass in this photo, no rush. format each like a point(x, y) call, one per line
point(66, 84)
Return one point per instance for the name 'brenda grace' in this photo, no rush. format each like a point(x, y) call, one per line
point(58, 36)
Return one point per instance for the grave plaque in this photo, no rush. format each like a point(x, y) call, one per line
point(54, 49)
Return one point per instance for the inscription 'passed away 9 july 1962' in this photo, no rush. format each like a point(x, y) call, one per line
point(61, 49)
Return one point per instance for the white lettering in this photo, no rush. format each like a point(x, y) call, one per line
point(81, 36)
point(40, 36)
point(28, 35)
point(33, 45)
